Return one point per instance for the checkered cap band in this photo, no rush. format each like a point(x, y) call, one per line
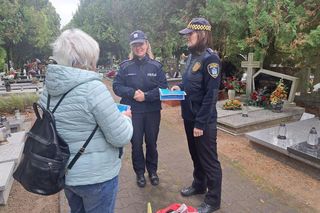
point(199, 27)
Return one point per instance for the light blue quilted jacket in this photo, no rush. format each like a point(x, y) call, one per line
point(88, 104)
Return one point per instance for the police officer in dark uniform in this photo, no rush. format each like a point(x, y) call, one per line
point(137, 83)
point(201, 81)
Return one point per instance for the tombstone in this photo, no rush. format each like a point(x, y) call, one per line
point(296, 135)
point(269, 79)
point(10, 155)
point(250, 64)
point(232, 121)
point(172, 66)
point(304, 151)
point(6, 181)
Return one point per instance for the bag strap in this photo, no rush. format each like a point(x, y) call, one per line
point(81, 151)
point(83, 148)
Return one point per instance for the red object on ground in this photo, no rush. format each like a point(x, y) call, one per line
point(176, 206)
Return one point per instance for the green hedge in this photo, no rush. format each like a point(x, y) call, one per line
point(9, 103)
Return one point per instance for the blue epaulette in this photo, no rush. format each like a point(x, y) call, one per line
point(155, 62)
point(124, 64)
point(210, 52)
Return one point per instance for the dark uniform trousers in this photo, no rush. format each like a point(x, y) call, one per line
point(207, 170)
point(145, 125)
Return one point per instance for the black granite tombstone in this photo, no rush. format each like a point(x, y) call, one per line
point(269, 82)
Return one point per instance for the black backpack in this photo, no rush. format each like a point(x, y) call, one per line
point(45, 156)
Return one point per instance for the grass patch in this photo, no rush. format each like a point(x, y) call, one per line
point(9, 103)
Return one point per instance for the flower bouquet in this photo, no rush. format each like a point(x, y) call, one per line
point(279, 94)
point(259, 98)
point(231, 83)
point(232, 105)
point(277, 97)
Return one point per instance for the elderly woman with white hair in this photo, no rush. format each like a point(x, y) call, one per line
point(92, 183)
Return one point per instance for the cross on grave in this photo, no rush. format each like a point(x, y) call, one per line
point(250, 64)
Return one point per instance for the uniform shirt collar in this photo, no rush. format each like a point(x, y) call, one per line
point(142, 60)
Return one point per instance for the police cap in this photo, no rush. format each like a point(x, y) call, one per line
point(137, 37)
point(196, 24)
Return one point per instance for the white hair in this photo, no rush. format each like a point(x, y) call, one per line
point(75, 48)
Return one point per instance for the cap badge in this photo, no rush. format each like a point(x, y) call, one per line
point(196, 66)
point(135, 35)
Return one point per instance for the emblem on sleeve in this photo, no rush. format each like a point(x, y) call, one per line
point(196, 66)
point(213, 69)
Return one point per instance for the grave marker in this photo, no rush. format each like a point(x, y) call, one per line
point(250, 64)
point(267, 78)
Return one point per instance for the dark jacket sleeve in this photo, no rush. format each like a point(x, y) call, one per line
point(211, 87)
point(119, 85)
point(153, 95)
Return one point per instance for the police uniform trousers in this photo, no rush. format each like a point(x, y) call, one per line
point(207, 172)
point(145, 125)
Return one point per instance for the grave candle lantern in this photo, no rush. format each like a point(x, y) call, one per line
point(3, 133)
point(313, 137)
point(282, 131)
point(245, 110)
point(17, 114)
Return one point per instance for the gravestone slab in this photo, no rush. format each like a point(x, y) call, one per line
point(6, 181)
point(224, 113)
point(3, 92)
point(269, 79)
point(10, 154)
point(6, 171)
point(12, 151)
point(257, 119)
point(304, 150)
point(297, 132)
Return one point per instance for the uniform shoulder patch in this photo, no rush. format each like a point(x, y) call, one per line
point(213, 70)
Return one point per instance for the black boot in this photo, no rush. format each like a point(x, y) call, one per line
point(186, 192)
point(154, 179)
point(141, 181)
point(206, 208)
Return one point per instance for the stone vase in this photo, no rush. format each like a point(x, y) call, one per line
point(231, 94)
point(277, 107)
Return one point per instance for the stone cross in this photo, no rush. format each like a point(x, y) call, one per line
point(250, 64)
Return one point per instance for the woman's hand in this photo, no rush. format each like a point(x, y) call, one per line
point(139, 96)
point(127, 113)
point(175, 88)
point(197, 132)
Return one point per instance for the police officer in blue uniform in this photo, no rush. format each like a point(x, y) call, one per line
point(137, 83)
point(201, 81)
